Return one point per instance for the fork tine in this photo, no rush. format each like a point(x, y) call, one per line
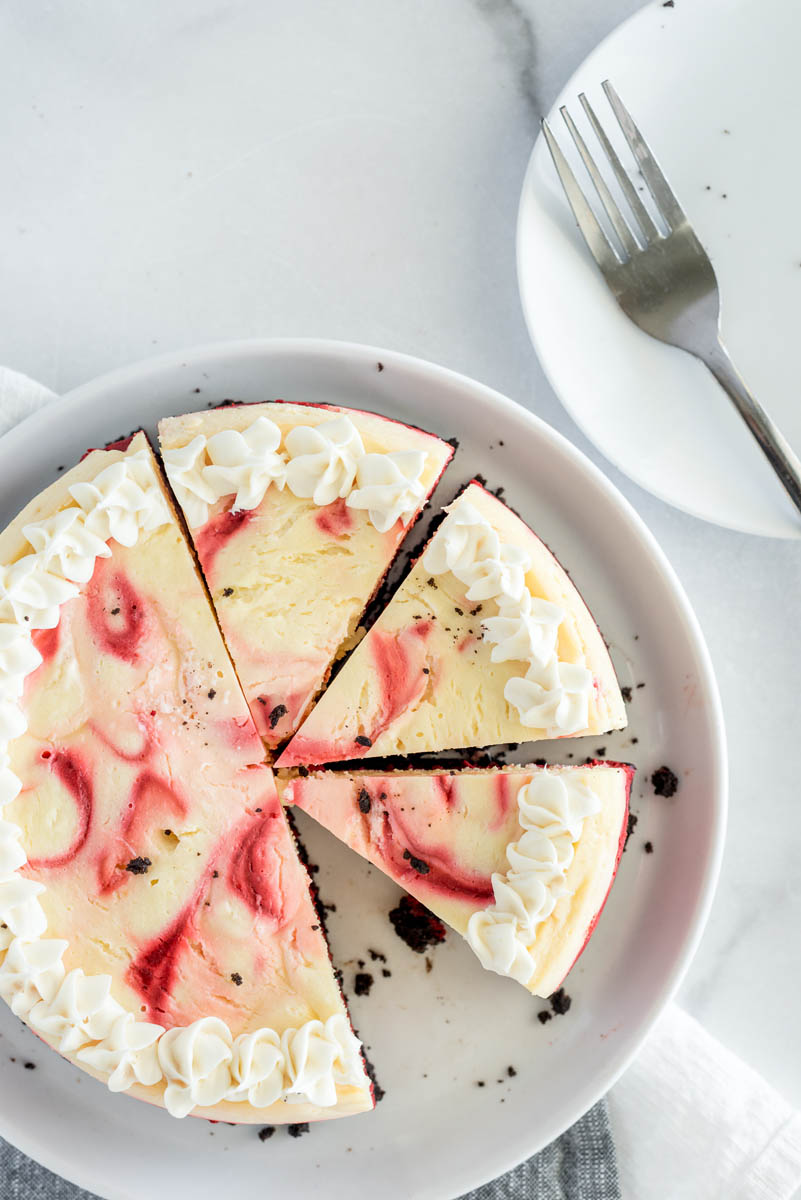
point(600, 246)
point(641, 214)
point(658, 186)
point(621, 228)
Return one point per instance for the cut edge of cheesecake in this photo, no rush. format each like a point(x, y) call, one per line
point(341, 801)
point(51, 500)
point(338, 728)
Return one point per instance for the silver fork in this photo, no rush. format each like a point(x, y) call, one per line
point(663, 281)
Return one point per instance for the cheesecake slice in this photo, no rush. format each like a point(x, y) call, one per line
point(156, 924)
point(296, 512)
point(486, 641)
point(518, 860)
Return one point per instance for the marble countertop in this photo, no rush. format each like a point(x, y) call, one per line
point(200, 170)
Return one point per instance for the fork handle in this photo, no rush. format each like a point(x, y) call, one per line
point(774, 445)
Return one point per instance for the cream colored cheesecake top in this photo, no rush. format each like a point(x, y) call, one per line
point(486, 641)
point(156, 925)
point(296, 512)
point(519, 861)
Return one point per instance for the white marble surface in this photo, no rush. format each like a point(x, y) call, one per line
point(205, 169)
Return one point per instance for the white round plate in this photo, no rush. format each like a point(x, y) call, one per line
point(432, 1034)
point(691, 76)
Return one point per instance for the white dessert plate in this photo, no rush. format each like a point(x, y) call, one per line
point(433, 1034)
point(690, 74)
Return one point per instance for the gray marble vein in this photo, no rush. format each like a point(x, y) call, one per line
point(514, 27)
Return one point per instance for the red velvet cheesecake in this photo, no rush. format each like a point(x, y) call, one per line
point(518, 860)
point(486, 641)
point(296, 512)
point(156, 924)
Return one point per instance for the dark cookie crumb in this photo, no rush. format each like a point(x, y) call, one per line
point(362, 740)
point(480, 1083)
point(303, 772)
point(229, 591)
point(626, 693)
point(387, 974)
point(665, 782)
point(648, 847)
point(429, 965)
point(212, 693)
point(237, 978)
point(601, 752)
point(363, 983)
point(378, 1092)
point(543, 1017)
point(364, 801)
point(380, 366)
point(297, 1131)
point(266, 1132)
point(376, 955)
point(276, 714)
point(416, 926)
point(139, 866)
point(29, 1066)
point(560, 1002)
point(511, 1072)
point(631, 825)
point(417, 864)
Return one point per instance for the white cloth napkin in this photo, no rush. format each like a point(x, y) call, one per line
point(19, 397)
point(691, 1120)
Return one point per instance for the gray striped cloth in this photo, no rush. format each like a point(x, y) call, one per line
point(579, 1165)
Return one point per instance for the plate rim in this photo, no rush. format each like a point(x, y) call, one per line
point(546, 360)
point(261, 349)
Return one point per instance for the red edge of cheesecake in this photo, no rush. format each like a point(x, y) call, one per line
point(334, 408)
point(121, 444)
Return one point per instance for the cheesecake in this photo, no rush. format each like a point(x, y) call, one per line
point(519, 860)
point(296, 512)
point(156, 923)
point(487, 641)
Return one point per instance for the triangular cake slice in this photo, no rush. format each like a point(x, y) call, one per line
point(156, 924)
point(296, 512)
point(518, 860)
point(486, 641)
